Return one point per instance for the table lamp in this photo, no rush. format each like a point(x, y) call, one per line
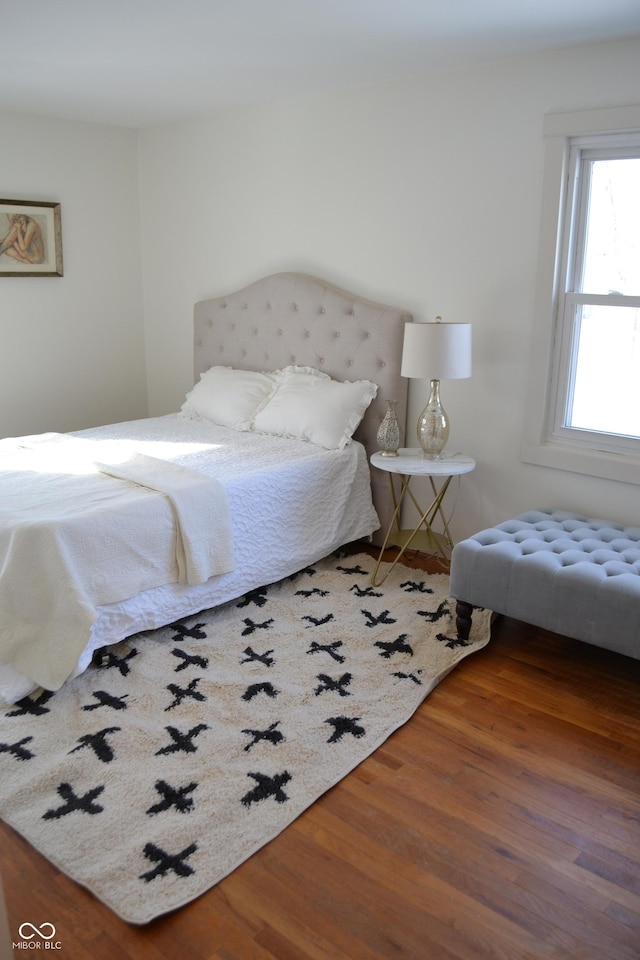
point(435, 351)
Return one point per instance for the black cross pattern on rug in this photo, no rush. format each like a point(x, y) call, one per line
point(270, 735)
point(373, 621)
point(343, 725)
point(409, 676)
point(110, 660)
point(251, 626)
point(183, 632)
point(364, 591)
point(167, 861)
point(257, 597)
point(264, 658)
point(329, 685)
point(308, 571)
point(357, 570)
point(98, 743)
point(267, 787)
point(176, 797)
point(183, 693)
point(74, 802)
point(188, 660)
point(318, 621)
point(432, 616)
point(254, 689)
point(452, 642)
point(182, 741)
point(170, 810)
point(32, 707)
point(413, 586)
point(330, 648)
point(389, 647)
point(18, 749)
point(106, 700)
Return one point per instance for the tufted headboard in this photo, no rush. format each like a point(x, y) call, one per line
point(293, 318)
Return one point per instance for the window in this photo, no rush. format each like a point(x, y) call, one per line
point(585, 379)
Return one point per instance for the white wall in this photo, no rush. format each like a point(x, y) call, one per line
point(72, 347)
point(425, 194)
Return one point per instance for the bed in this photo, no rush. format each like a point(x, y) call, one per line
point(286, 488)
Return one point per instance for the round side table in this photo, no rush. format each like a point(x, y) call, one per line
point(410, 463)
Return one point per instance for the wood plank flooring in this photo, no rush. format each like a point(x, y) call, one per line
point(502, 821)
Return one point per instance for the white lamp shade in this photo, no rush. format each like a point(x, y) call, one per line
point(436, 351)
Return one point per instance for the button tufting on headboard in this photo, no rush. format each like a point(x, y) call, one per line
point(291, 318)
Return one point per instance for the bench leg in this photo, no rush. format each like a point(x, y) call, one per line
point(464, 611)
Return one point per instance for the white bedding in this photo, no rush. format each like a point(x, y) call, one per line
point(290, 503)
point(73, 537)
point(203, 546)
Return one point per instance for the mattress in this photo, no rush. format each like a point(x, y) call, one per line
point(290, 503)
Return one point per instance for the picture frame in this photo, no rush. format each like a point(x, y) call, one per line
point(30, 239)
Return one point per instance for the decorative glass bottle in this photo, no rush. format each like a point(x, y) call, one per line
point(388, 436)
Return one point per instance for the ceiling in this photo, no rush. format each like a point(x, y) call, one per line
point(142, 62)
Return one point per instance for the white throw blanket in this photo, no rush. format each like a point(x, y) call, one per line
point(73, 538)
point(203, 529)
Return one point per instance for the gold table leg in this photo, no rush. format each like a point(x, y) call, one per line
point(426, 520)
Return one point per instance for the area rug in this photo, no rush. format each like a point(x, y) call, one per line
point(153, 775)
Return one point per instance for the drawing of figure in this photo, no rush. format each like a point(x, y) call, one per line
point(24, 240)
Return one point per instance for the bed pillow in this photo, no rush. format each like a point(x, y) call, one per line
point(309, 405)
point(229, 397)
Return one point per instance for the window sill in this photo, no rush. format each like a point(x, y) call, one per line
point(592, 463)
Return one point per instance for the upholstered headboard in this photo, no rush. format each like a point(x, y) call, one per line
point(293, 318)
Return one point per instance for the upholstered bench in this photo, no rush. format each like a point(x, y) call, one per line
point(561, 571)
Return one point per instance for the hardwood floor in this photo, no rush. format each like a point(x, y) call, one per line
point(502, 821)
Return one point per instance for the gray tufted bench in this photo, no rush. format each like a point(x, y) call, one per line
point(561, 571)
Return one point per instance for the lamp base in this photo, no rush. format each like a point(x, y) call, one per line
point(433, 425)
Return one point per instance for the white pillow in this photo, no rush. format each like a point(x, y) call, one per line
point(229, 397)
point(311, 406)
point(296, 368)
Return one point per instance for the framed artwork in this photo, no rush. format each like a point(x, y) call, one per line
point(30, 239)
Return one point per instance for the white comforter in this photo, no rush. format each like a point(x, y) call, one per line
point(290, 503)
point(89, 522)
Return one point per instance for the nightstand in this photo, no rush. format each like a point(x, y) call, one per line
point(410, 463)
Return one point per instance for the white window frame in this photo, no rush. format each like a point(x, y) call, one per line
point(545, 441)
